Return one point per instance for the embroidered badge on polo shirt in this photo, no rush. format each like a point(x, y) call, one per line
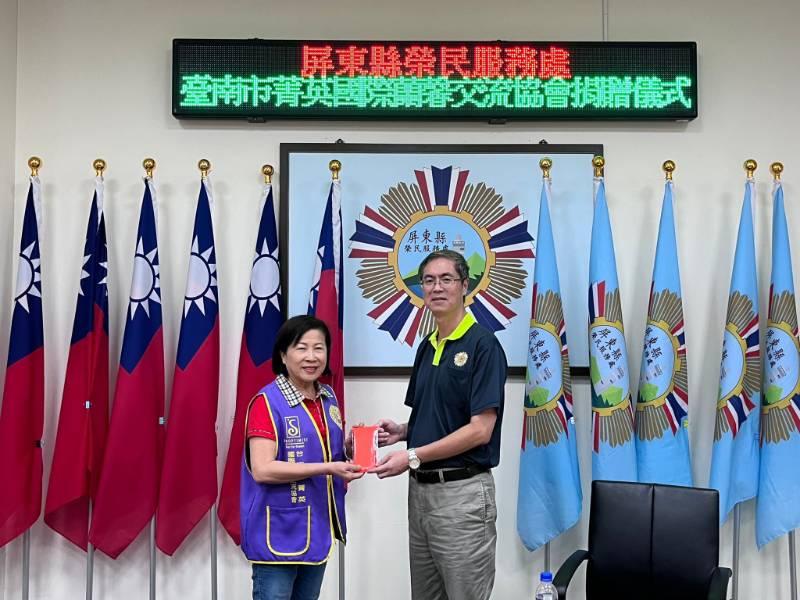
point(336, 415)
point(460, 359)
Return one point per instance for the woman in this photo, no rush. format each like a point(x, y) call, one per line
point(294, 469)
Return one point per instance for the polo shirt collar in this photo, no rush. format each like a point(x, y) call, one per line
point(293, 395)
point(459, 332)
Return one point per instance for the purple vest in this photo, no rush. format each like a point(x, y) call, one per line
point(295, 522)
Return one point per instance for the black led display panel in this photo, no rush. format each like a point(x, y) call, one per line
point(494, 81)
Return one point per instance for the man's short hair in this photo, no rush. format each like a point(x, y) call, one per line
point(290, 333)
point(458, 260)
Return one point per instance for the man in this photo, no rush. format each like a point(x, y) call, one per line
point(456, 395)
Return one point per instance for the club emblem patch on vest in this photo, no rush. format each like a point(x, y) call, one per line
point(335, 415)
point(292, 427)
point(460, 359)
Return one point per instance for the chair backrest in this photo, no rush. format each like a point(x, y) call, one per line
point(651, 541)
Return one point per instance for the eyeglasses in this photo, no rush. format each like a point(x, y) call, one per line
point(446, 281)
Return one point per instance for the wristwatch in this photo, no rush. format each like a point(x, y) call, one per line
point(413, 461)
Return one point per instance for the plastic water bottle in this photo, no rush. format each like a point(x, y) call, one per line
point(546, 590)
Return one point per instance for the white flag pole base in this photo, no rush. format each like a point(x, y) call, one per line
point(792, 566)
point(736, 524)
point(341, 571)
point(89, 571)
point(26, 564)
point(213, 516)
point(547, 556)
point(89, 561)
point(153, 558)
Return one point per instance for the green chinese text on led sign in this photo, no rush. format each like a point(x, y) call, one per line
point(276, 79)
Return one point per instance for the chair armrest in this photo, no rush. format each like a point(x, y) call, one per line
point(567, 570)
point(718, 589)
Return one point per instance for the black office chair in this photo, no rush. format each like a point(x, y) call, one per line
point(654, 542)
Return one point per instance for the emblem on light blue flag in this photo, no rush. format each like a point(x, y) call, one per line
point(550, 498)
point(663, 396)
point(548, 392)
point(613, 449)
point(662, 407)
point(777, 510)
point(735, 454)
point(781, 403)
point(740, 370)
point(612, 416)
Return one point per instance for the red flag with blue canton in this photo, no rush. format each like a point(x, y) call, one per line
point(262, 320)
point(326, 300)
point(83, 419)
point(128, 490)
point(22, 414)
point(189, 476)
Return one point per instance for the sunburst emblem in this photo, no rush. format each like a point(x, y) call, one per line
point(548, 390)
point(663, 396)
point(781, 406)
point(201, 284)
point(265, 280)
point(612, 414)
point(740, 372)
point(29, 277)
point(440, 211)
point(85, 274)
point(146, 281)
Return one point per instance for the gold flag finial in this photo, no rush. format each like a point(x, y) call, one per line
point(267, 171)
point(668, 167)
point(34, 162)
point(149, 164)
point(750, 165)
point(599, 164)
point(205, 166)
point(99, 165)
point(335, 166)
point(777, 169)
point(545, 165)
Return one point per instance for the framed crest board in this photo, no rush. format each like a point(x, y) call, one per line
point(400, 202)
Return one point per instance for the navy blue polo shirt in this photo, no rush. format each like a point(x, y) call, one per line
point(454, 379)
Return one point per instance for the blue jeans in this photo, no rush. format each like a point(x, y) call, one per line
point(287, 582)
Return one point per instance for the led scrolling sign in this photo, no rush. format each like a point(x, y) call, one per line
point(277, 79)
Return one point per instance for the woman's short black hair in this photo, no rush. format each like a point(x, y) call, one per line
point(290, 333)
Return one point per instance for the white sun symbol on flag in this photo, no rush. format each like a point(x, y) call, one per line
point(144, 288)
point(29, 278)
point(85, 274)
point(265, 282)
point(201, 282)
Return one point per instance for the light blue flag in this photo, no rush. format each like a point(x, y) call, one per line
point(549, 500)
point(734, 457)
point(662, 444)
point(778, 504)
point(613, 449)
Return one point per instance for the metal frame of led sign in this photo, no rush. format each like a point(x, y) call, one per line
point(392, 80)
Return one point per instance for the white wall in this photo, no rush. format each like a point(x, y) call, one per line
point(8, 92)
point(93, 80)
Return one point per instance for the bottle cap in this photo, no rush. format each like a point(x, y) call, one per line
point(546, 577)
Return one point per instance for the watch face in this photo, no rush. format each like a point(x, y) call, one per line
point(413, 461)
